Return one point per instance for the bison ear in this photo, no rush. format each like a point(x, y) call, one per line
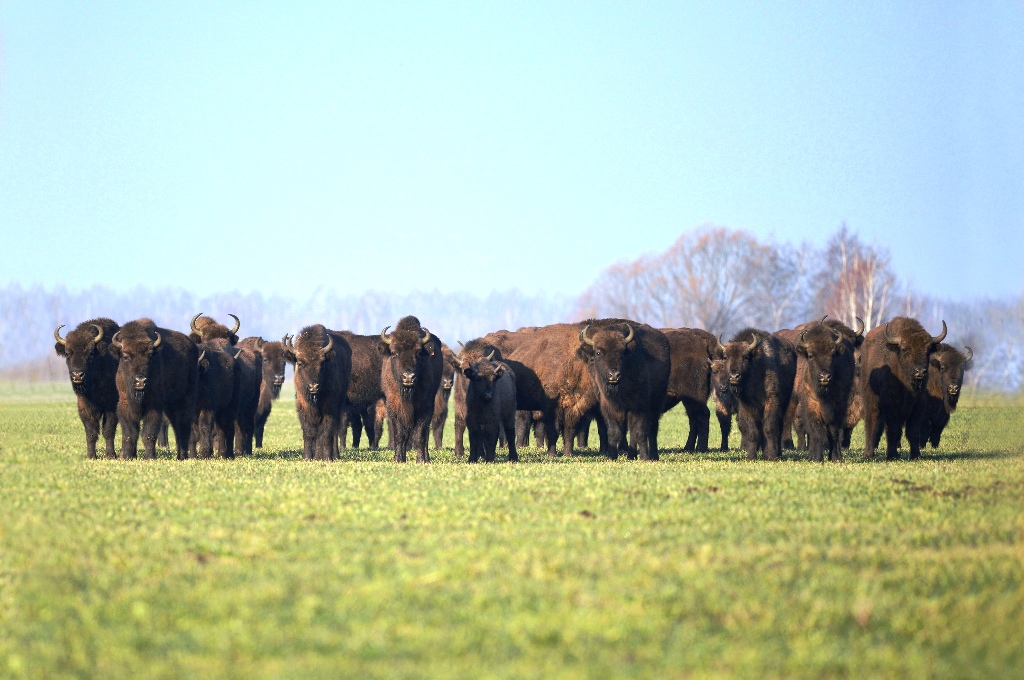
point(195, 337)
point(499, 370)
point(934, 361)
point(59, 348)
point(234, 339)
point(430, 349)
point(289, 355)
point(330, 355)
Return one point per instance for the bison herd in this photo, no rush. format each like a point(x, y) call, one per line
point(216, 390)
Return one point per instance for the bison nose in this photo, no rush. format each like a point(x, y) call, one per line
point(824, 377)
point(613, 377)
point(920, 373)
point(77, 376)
point(140, 382)
point(313, 388)
point(954, 389)
point(279, 379)
point(734, 378)
point(408, 378)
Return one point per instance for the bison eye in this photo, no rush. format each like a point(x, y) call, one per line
point(300, 364)
point(597, 352)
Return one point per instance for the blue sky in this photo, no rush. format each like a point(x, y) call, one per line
point(480, 146)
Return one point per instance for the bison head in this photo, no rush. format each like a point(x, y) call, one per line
point(206, 328)
point(739, 354)
point(946, 374)
point(274, 363)
point(406, 351)
point(720, 384)
point(828, 356)
point(482, 374)
point(135, 345)
point(80, 350)
point(311, 352)
point(605, 350)
point(912, 346)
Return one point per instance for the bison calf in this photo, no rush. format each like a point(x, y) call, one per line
point(490, 407)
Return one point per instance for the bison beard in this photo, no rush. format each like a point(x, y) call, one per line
point(323, 366)
point(158, 374)
point(92, 369)
point(410, 377)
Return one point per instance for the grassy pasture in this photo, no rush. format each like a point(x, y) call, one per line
point(699, 565)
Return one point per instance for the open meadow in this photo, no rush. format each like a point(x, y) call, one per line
point(699, 565)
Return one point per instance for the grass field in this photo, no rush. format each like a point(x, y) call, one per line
point(695, 566)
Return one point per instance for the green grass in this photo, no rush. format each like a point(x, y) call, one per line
point(707, 566)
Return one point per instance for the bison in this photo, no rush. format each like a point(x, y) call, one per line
point(364, 390)
point(443, 395)
point(761, 368)
point(472, 351)
point(894, 376)
point(689, 382)
point(945, 378)
point(158, 375)
point(92, 368)
point(323, 367)
point(726, 405)
point(490, 406)
point(216, 402)
point(823, 387)
point(272, 379)
point(410, 375)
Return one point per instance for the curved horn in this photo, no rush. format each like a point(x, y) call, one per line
point(158, 340)
point(56, 335)
point(201, 355)
point(802, 334)
point(384, 337)
point(583, 336)
point(329, 345)
point(192, 325)
point(860, 328)
point(629, 336)
point(490, 357)
point(970, 354)
point(426, 338)
point(753, 344)
point(889, 338)
point(238, 353)
point(460, 345)
point(839, 339)
point(238, 324)
point(116, 340)
point(822, 319)
point(99, 334)
point(941, 336)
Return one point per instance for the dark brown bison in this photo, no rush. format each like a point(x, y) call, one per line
point(272, 374)
point(726, 405)
point(629, 364)
point(323, 367)
point(945, 379)
point(443, 395)
point(490, 406)
point(158, 375)
point(761, 368)
point(364, 390)
point(894, 378)
point(92, 369)
point(693, 350)
point(216, 402)
point(473, 351)
point(209, 331)
point(410, 377)
point(823, 387)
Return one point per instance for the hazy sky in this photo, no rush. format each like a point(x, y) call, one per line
point(479, 146)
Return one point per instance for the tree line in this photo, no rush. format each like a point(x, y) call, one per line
point(714, 278)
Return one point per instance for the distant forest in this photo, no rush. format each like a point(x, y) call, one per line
point(713, 277)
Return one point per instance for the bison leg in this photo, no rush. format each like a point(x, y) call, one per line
point(261, 424)
point(225, 435)
point(109, 430)
point(750, 433)
point(699, 417)
point(787, 424)
point(523, 419)
point(357, 429)
point(893, 436)
point(343, 425)
point(437, 432)
point(161, 440)
point(91, 421)
point(847, 437)
point(725, 425)
point(129, 437)
point(326, 438)
point(510, 425)
point(202, 434)
point(460, 430)
point(817, 439)
point(151, 423)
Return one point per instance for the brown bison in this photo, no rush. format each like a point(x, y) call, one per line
point(894, 378)
point(726, 405)
point(216, 402)
point(823, 387)
point(490, 406)
point(473, 351)
point(693, 350)
point(761, 368)
point(323, 367)
point(443, 395)
point(629, 364)
point(364, 390)
point(410, 376)
point(209, 331)
point(945, 379)
point(92, 369)
point(158, 375)
point(272, 374)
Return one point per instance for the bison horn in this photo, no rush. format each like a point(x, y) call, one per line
point(461, 345)
point(201, 355)
point(942, 335)
point(116, 340)
point(238, 324)
point(970, 354)
point(384, 337)
point(629, 336)
point(237, 354)
point(839, 339)
point(753, 344)
point(583, 336)
point(802, 334)
point(889, 338)
point(860, 327)
point(490, 357)
point(329, 345)
point(99, 334)
point(193, 326)
point(822, 319)
point(285, 339)
point(56, 335)
point(426, 337)
point(158, 340)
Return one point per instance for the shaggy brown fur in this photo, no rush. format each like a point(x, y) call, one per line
point(824, 383)
point(364, 390)
point(693, 350)
point(272, 376)
point(217, 402)
point(443, 394)
point(92, 369)
point(490, 408)
point(726, 405)
point(410, 376)
point(323, 368)
point(205, 328)
point(473, 351)
point(945, 379)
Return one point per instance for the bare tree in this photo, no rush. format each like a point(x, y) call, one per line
point(856, 280)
